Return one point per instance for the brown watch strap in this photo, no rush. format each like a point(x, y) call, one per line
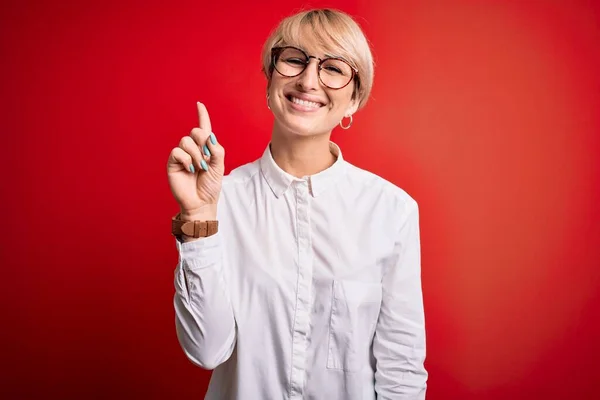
point(195, 229)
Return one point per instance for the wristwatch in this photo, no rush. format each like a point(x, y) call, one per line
point(195, 229)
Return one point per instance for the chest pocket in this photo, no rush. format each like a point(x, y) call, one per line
point(354, 312)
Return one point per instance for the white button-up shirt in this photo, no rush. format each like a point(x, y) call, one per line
point(311, 289)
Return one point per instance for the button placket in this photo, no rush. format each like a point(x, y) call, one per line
point(304, 279)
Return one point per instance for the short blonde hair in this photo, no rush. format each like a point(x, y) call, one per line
point(334, 32)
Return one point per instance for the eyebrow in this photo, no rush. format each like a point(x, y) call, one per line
point(326, 55)
point(329, 55)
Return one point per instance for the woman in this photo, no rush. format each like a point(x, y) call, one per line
point(300, 277)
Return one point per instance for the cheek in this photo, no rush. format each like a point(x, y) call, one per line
point(274, 85)
point(339, 102)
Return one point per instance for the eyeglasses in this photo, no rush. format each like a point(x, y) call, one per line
point(334, 72)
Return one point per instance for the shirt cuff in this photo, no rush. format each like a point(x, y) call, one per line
point(201, 253)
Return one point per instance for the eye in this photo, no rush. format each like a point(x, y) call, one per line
point(295, 61)
point(331, 68)
point(336, 67)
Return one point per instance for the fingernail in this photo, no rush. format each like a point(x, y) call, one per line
point(206, 151)
point(203, 165)
point(192, 169)
point(213, 138)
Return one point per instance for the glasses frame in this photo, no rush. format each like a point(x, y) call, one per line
point(276, 52)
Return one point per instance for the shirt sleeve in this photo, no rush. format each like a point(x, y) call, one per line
point(204, 318)
point(399, 342)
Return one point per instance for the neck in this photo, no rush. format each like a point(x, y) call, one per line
point(302, 155)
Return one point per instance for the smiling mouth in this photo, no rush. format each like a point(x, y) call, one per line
point(304, 103)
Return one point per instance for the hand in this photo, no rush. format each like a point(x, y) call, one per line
point(195, 170)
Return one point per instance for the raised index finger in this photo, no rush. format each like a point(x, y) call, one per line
point(203, 118)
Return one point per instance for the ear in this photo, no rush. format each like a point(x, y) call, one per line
point(352, 107)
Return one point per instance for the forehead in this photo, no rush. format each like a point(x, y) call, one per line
point(319, 44)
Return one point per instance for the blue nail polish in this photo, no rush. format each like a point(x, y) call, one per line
point(213, 138)
point(206, 151)
point(203, 165)
point(192, 169)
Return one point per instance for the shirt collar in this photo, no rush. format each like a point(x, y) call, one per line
point(279, 180)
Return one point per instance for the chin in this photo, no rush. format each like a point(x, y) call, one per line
point(298, 126)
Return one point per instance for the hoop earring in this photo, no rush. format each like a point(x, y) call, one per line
point(349, 123)
point(268, 106)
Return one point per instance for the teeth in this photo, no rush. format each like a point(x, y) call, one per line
point(306, 103)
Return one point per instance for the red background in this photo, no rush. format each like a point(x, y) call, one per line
point(486, 112)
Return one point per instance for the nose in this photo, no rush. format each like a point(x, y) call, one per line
point(309, 78)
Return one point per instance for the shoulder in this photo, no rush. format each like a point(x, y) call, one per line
point(392, 195)
point(242, 174)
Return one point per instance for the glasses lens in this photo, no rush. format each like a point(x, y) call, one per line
point(335, 73)
point(291, 62)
